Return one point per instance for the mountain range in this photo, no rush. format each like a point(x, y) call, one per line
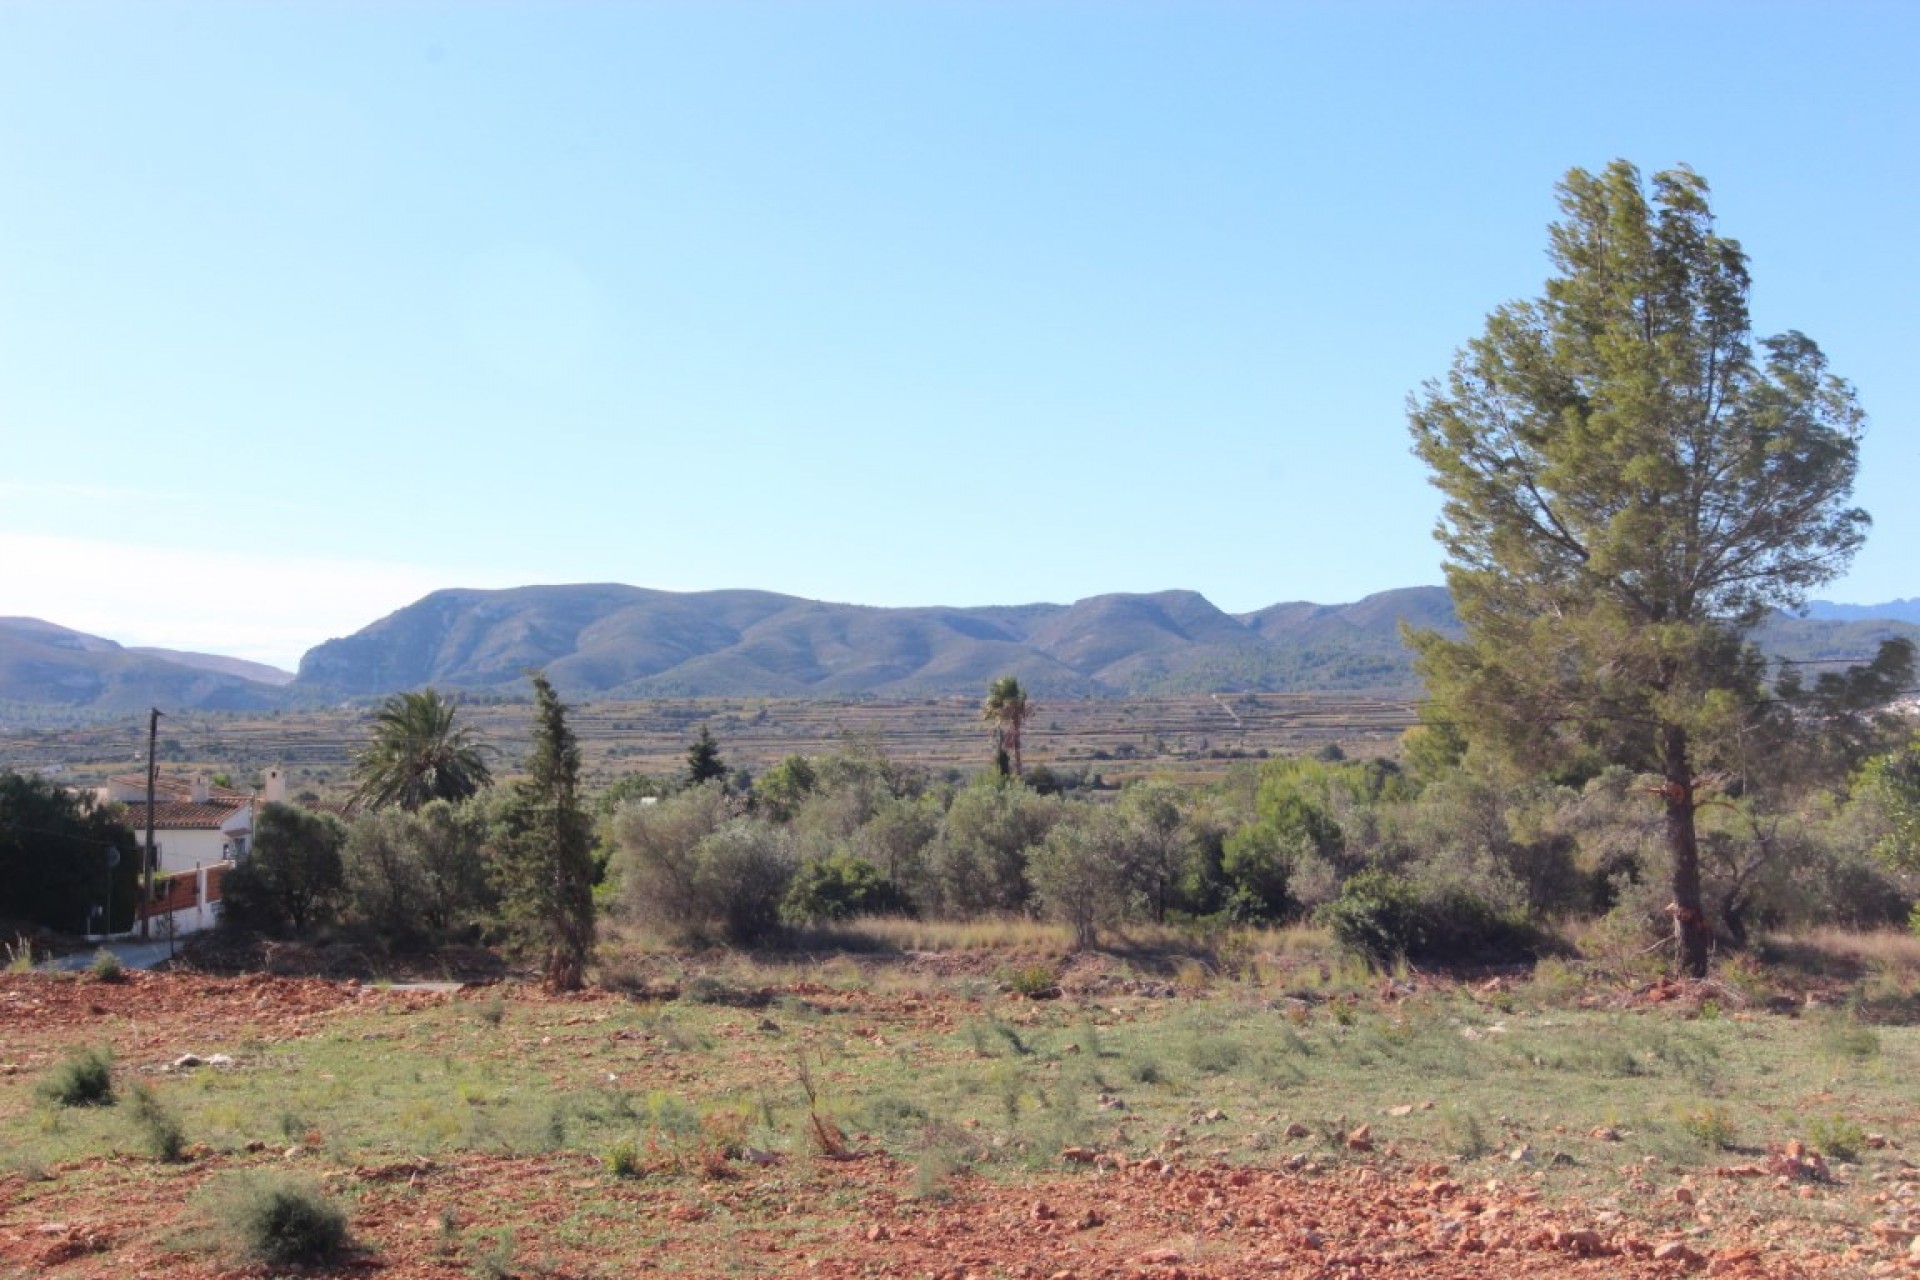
point(609, 641)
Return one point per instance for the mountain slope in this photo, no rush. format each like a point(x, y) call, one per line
point(48, 665)
point(611, 641)
point(607, 640)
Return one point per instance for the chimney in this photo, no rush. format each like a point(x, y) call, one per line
point(201, 785)
point(275, 791)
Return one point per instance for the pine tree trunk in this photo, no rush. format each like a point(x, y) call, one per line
point(1690, 933)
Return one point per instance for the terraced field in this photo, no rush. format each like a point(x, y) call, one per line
point(1195, 737)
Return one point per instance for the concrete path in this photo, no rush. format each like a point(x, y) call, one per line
point(133, 953)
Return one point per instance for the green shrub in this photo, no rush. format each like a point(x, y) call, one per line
point(1034, 981)
point(159, 1129)
point(1836, 1137)
point(688, 867)
point(1457, 925)
point(841, 887)
point(1711, 1125)
point(624, 1160)
point(279, 1221)
point(85, 1079)
point(1377, 916)
point(106, 967)
point(1386, 919)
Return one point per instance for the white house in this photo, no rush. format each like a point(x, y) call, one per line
point(199, 832)
point(195, 824)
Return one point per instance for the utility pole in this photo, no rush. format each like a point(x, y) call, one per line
point(153, 773)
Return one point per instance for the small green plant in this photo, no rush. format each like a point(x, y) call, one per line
point(19, 954)
point(1836, 1137)
point(1463, 1134)
point(1847, 1039)
point(624, 1160)
point(159, 1129)
point(106, 967)
point(1555, 982)
point(1034, 981)
point(933, 1174)
point(1710, 1124)
point(85, 1079)
point(491, 1011)
point(495, 1261)
point(278, 1220)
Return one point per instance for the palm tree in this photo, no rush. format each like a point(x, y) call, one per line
point(1006, 710)
point(417, 755)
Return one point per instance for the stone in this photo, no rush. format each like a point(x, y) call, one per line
point(1678, 1253)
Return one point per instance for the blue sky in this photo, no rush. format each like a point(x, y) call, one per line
point(307, 309)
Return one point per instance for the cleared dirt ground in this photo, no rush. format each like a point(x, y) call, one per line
point(1356, 1206)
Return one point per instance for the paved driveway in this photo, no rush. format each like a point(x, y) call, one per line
point(134, 955)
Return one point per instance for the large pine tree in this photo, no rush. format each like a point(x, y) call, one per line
point(1629, 487)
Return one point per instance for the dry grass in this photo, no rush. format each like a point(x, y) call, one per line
point(1890, 952)
point(997, 933)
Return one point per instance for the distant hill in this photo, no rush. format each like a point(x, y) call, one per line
point(49, 665)
point(258, 672)
point(1891, 611)
point(1832, 641)
point(608, 641)
point(613, 641)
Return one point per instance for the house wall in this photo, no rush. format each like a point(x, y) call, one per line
point(187, 903)
point(183, 849)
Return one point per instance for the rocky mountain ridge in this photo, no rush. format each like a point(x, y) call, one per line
point(610, 641)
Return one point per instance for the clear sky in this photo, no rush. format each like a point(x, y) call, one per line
point(308, 309)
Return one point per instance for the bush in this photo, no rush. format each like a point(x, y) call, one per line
point(1386, 918)
point(1378, 916)
point(744, 871)
point(1836, 1137)
point(1457, 925)
point(160, 1130)
point(624, 1160)
point(1034, 981)
point(280, 1221)
point(85, 1079)
point(684, 864)
point(841, 887)
point(106, 967)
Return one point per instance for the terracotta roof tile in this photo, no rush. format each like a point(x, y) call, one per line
point(178, 816)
